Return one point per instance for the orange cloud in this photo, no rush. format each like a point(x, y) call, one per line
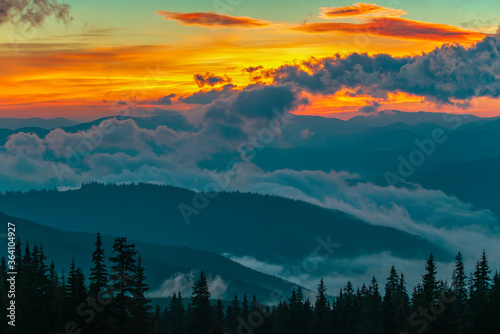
point(210, 79)
point(346, 103)
point(212, 19)
point(359, 9)
point(398, 28)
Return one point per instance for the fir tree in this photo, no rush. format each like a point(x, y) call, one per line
point(479, 296)
point(494, 305)
point(176, 316)
point(140, 310)
point(234, 312)
point(321, 310)
point(388, 306)
point(295, 307)
point(98, 288)
point(76, 290)
point(98, 273)
point(402, 305)
point(459, 288)
point(201, 310)
point(219, 319)
point(429, 281)
point(122, 277)
point(245, 310)
point(374, 306)
point(41, 289)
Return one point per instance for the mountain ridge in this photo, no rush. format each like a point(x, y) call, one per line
point(286, 230)
point(161, 262)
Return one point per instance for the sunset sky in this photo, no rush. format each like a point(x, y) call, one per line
point(156, 54)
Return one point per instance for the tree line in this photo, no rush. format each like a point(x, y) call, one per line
point(112, 300)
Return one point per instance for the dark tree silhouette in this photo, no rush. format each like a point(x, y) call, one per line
point(122, 278)
point(47, 301)
point(201, 320)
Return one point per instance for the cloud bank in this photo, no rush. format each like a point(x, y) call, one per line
point(451, 72)
point(129, 153)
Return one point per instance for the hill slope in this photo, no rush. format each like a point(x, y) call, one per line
point(265, 227)
point(161, 262)
point(52, 123)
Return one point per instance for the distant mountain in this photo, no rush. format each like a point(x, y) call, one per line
point(368, 145)
point(470, 152)
point(377, 150)
point(5, 133)
point(52, 123)
point(172, 119)
point(268, 228)
point(42, 127)
point(476, 181)
point(314, 132)
point(161, 262)
point(388, 117)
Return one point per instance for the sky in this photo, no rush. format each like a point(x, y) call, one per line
point(82, 60)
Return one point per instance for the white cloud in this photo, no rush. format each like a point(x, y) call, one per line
point(253, 263)
point(184, 282)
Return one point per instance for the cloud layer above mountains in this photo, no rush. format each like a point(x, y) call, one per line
point(121, 151)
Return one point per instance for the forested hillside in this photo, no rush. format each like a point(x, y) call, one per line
point(113, 299)
point(230, 222)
